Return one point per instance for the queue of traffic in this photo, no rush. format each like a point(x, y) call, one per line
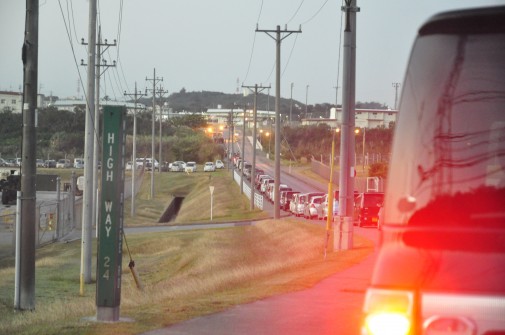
point(312, 205)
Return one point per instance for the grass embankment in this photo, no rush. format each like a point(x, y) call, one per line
point(185, 274)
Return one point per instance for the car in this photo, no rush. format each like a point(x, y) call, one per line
point(3, 162)
point(310, 208)
point(322, 211)
point(264, 184)
point(38, 162)
point(298, 204)
point(440, 265)
point(366, 208)
point(219, 164)
point(176, 167)
point(181, 166)
point(190, 167)
point(286, 197)
point(63, 164)
point(129, 166)
point(259, 180)
point(79, 163)
point(209, 167)
point(147, 163)
point(50, 163)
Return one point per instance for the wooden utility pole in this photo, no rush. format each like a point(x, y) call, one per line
point(24, 295)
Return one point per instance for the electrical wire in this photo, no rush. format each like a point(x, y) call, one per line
point(296, 12)
point(316, 13)
point(73, 51)
point(253, 44)
point(291, 53)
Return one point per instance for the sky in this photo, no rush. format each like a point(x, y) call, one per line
point(203, 45)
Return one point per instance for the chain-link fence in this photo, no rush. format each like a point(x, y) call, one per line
point(58, 214)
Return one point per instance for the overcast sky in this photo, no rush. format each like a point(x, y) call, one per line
point(204, 45)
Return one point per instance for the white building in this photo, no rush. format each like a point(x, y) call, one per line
point(364, 118)
point(70, 104)
point(12, 101)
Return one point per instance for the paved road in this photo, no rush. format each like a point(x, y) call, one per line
point(331, 307)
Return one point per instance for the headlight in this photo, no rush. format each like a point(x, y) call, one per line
point(388, 312)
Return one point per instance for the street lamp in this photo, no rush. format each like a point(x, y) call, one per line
point(329, 222)
point(267, 134)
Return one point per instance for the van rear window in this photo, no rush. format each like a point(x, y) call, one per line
point(448, 166)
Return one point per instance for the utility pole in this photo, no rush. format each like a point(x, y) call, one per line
point(24, 295)
point(136, 97)
point(87, 199)
point(396, 86)
point(161, 93)
point(96, 145)
point(155, 81)
point(347, 145)
point(255, 111)
point(93, 194)
point(242, 152)
point(277, 177)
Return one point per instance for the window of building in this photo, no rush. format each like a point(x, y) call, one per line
point(13, 101)
point(2, 101)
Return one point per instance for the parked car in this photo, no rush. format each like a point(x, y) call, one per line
point(209, 167)
point(219, 164)
point(366, 208)
point(79, 163)
point(38, 162)
point(129, 166)
point(176, 167)
point(310, 208)
point(190, 167)
point(3, 162)
point(440, 265)
point(50, 163)
point(63, 164)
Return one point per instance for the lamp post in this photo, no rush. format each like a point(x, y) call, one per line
point(329, 223)
point(267, 134)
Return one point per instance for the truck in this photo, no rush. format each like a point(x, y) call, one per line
point(10, 183)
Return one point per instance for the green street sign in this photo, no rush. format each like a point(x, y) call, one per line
point(110, 228)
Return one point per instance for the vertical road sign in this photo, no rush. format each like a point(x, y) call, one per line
point(110, 228)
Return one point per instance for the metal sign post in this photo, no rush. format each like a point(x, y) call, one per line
point(211, 188)
point(108, 273)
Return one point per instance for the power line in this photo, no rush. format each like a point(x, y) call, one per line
point(296, 12)
point(253, 44)
point(316, 13)
point(73, 52)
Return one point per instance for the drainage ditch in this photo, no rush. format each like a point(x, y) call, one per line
point(172, 210)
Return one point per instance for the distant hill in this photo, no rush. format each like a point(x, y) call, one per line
point(201, 101)
point(197, 102)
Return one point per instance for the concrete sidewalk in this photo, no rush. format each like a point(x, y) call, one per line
point(333, 306)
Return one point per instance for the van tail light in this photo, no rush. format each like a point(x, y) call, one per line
point(388, 312)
